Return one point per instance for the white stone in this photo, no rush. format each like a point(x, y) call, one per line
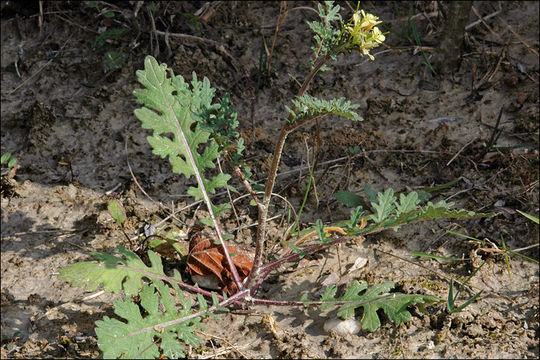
point(342, 327)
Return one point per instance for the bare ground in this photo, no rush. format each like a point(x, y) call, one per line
point(419, 131)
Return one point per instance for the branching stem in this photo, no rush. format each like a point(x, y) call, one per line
point(264, 207)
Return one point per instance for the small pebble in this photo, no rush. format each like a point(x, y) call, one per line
point(331, 279)
point(358, 264)
point(342, 327)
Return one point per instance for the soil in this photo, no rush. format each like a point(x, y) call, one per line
point(70, 122)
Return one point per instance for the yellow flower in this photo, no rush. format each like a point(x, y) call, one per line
point(364, 34)
point(378, 36)
point(368, 21)
point(362, 21)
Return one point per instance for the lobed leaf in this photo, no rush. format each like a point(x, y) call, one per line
point(306, 107)
point(114, 273)
point(394, 305)
point(173, 110)
point(384, 206)
point(407, 202)
point(327, 31)
point(136, 336)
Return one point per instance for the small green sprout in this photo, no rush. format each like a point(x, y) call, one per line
point(450, 302)
point(117, 211)
point(8, 160)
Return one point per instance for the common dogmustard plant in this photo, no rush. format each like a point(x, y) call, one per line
point(193, 130)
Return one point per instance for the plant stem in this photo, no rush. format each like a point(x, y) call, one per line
point(247, 185)
point(264, 207)
point(308, 188)
point(207, 201)
point(266, 269)
point(318, 65)
point(233, 298)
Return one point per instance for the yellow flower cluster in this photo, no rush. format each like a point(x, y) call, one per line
point(364, 34)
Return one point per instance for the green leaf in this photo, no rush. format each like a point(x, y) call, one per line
point(328, 295)
point(529, 216)
point(13, 161)
point(384, 206)
point(258, 187)
point(394, 305)
point(423, 196)
point(203, 305)
point(174, 110)
point(206, 221)
point(355, 216)
point(308, 107)
point(440, 210)
point(113, 60)
point(407, 202)
point(215, 302)
point(5, 157)
point(370, 193)
point(301, 253)
point(304, 299)
point(114, 273)
point(349, 199)
point(134, 337)
point(113, 34)
point(117, 211)
point(327, 31)
point(323, 239)
point(221, 121)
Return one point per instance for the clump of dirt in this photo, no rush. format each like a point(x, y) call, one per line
point(67, 113)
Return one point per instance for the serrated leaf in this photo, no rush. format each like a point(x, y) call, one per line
point(215, 302)
point(172, 109)
point(134, 337)
point(203, 305)
point(304, 299)
point(328, 295)
point(440, 210)
point(423, 196)
point(114, 273)
point(328, 30)
point(356, 213)
point(323, 239)
point(394, 305)
point(407, 202)
point(308, 107)
point(384, 206)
